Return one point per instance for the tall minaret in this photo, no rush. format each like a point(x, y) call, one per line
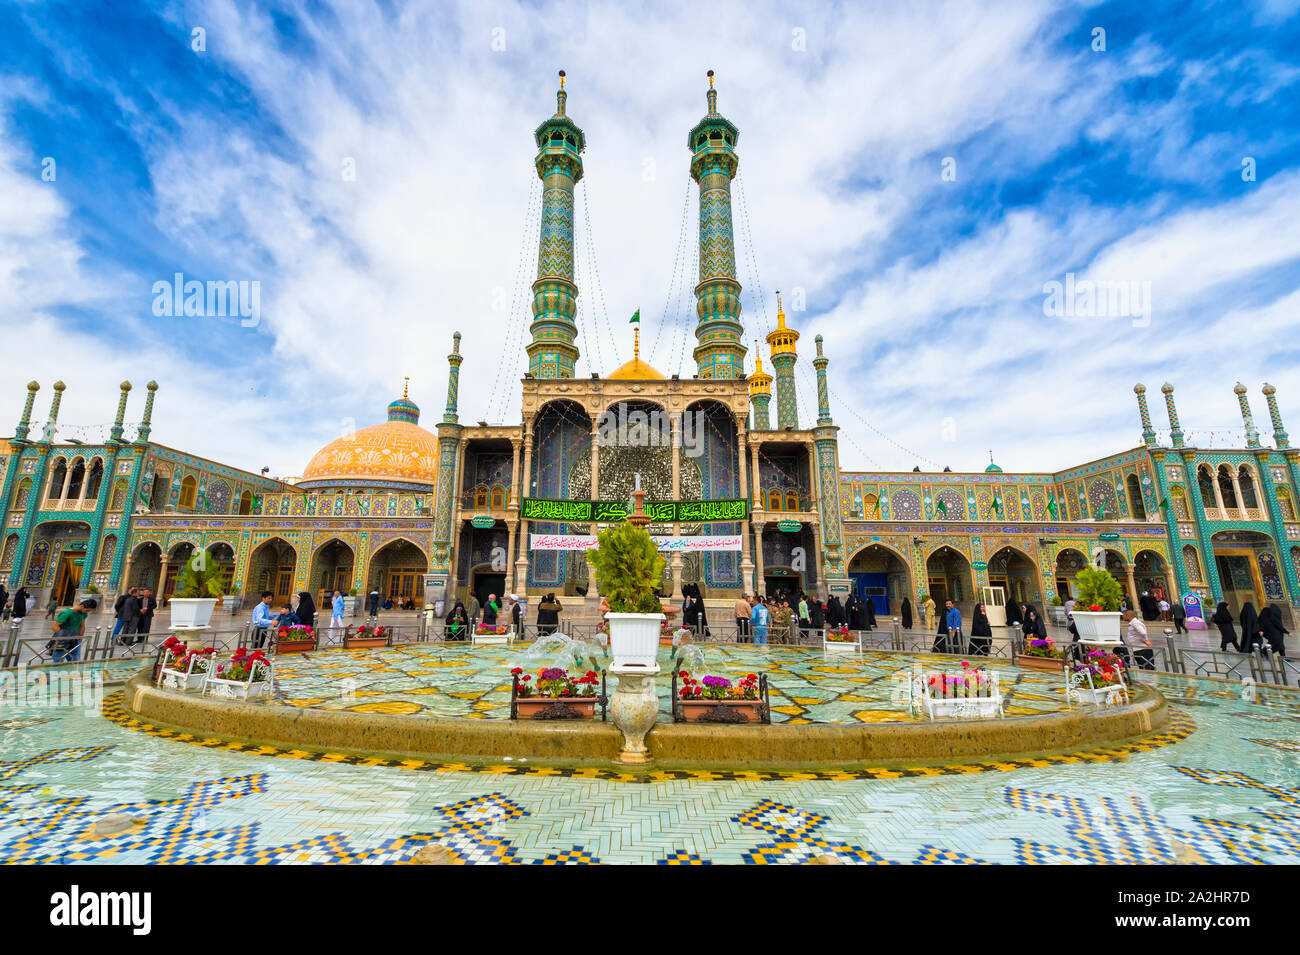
point(760, 395)
point(712, 142)
point(560, 142)
point(783, 341)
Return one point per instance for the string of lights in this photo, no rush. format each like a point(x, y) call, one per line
point(678, 256)
point(594, 266)
point(518, 299)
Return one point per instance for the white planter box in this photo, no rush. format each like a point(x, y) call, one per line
point(1097, 627)
point(634, 638)
point(237, 689)
point(1113, 695)
point(191, 612)
point(957, 707)
point(841, 646)
point(180, 680)
point(493, 639)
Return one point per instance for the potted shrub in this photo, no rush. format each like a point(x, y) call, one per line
point(245, 676)
point(1096, 608)
point(198, 588)
point(1041, 654)
point(350, 602)
point(716, 699)
point(628, 568)
point(297, 639)
point(375, 636)
point(555, 695)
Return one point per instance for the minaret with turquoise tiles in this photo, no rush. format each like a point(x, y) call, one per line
point(712, 143)
point(1148, 432)
point(823, 389)
point(552, 352)
point(782, 340)
point(760, 394)
point(113, 448)
point(449, 436)
point(16, 445)
point(38, 481)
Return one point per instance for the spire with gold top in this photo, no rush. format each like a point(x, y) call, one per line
point(760, 394)
point(636, 369)
point(782, 342)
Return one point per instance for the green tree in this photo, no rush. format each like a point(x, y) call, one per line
point(201, 577)
point(1097, 588)
point(628, 568)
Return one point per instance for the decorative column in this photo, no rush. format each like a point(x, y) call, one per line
point(756, 501)
point(759, 573)
point(760, 394)
point(1279, 433)
point(138, 449)
point(1148, 432)
point(38, 485)
point(552, 353)
point(1175, 432)
point(449, 435)
point(1236, 491)
point(834, 572)
point(1170, 516)
point(742, 439)
point(1132, 583)
point(1203, 545)
point(105, 490)
point(511, 527)
point(1218, 495)
point(1252, 432)
point(16, 445)
point(823, 390)
point(595, 496)
point(712, 142)
point(525, 489)
point(782, 341)
point(1267, 492)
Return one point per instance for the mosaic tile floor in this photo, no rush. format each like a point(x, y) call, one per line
point(806, 685)
point(77, 787)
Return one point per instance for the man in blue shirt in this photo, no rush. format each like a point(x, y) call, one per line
point(758, 622)
point(262, 619)
point(953, 618)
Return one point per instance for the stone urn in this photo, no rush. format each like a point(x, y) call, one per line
point(634, 705)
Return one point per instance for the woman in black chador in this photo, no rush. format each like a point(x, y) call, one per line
point(907, 614)
point(870, 611)
point(1227, 633)
point(941, 639)
point(981, 634)
point(1251, 632)
point(834, 612)
point(1270, 621)
point(1013, 613)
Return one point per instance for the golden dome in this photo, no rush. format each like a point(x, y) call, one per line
point(636, 369)
point(398, 450)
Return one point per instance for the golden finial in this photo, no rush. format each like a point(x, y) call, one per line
point(561, 79)
point(780, 310)
point(406, 385)
point(710, 79)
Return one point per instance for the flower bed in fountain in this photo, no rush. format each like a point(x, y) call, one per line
point(715, 699)
point(375, 636)
point(840, 640)
point(245, 676)
point(969, 693)
point(1099, 680)
point(554, 695)
point(1041, 654)
point(296, 639)
point(182, 669)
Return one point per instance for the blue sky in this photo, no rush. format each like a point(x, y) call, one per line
point(1122, 164)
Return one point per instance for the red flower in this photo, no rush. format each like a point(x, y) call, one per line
point(517, 670)
point(683, 674)
point(686, 691)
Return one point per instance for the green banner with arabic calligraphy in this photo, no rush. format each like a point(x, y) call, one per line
point(611, 512)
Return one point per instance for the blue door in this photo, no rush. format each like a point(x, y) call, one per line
point(875, 586)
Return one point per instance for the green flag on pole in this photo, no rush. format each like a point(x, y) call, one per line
point(1164, 504)
point(1051, 507)
point(636, 317)
point(943, 507)
point(1101, 511)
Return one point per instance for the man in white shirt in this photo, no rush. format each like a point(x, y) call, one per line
point(1139, 646)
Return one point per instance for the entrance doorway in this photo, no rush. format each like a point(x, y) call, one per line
point(1237, 575)
point(65, 584)
point(995, 605)
point(485, 583)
